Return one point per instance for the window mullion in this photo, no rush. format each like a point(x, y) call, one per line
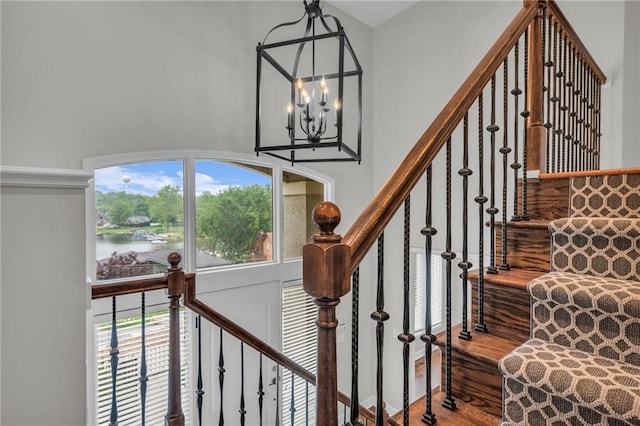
point(189, 198)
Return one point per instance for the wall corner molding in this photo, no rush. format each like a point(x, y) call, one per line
point(32, 177)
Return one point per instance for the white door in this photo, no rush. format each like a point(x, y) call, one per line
point(256, 308)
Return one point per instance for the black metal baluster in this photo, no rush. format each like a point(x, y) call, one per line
point(505, 150)
point(428, 231)
point(587, 118)
point(261, 392)
point(355, 315)
point(113, 416)
point(406, 337)
point(571, 108)
point(448, 256)
point(564, 107)
point(525, 115)
point(583, 103)
point(199, 390)
point(554, 102)
point(492, 210)
point(549, 65)
point(481, 199)
point(465, 265)
point(242, 411)
point(380, 316)
point(221, 372)
point(292, 403)
point(516, 92)
point(590, 125)
point(579, 142)
point(560, 75)
point(598, 122)
point(277, 421)
point(143, 360)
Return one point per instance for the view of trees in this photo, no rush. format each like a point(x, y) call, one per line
point(230, 221)
point(165, 207)
point(227, 222)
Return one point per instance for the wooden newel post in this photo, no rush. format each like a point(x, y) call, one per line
point(326, 277)
point(536, 132)
point(175, 284)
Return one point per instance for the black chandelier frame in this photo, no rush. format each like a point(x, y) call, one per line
point(304, 140)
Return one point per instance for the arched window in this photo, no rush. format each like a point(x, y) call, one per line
point(215, 209)
point(239, 223)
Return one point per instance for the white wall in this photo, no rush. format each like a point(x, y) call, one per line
point(84, 79)
point(43, 306)
point(631, 95)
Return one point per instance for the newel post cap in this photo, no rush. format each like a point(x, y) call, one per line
point(175, 275)
point(326, 261)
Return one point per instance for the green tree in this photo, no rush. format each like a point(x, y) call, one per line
point(166, 206)
point(139, 203)
point(231, 220)
point(119, 211)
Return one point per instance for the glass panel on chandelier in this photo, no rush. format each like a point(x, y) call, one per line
point(234, 213)
point(139, 218)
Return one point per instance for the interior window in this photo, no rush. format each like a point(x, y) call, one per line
point(139, 214)
point(234, 213)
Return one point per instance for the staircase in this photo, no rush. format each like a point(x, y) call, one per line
point(585, 323)
point(559, 111)
point(477, 380)
point(582, 363)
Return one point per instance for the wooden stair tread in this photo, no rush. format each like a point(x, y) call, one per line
point(464, 414)
point(515, 277)
point(487, 347)
point(537, 224)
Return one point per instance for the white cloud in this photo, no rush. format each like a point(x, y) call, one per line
point(206, 183)
point(111, 180)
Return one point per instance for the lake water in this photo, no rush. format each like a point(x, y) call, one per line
point(122, 244)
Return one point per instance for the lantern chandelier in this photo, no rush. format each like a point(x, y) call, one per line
point(305, 113)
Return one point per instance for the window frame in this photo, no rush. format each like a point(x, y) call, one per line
point(210, 279)
point(189, 158)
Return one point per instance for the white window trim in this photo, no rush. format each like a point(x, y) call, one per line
point(189, 157)
point(279, 269)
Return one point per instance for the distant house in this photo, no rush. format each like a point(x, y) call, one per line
point(138, 220)
point(133, 264)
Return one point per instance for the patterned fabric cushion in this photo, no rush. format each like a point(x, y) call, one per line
point(585, 381)
point(594, 314)
point(596, 246)
point(605, 196)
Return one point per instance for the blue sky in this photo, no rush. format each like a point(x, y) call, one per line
point(148, 178)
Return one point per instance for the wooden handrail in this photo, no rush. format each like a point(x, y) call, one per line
point(100, 291)
point(375, 217)
point(256, 343)
point(575, 39)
